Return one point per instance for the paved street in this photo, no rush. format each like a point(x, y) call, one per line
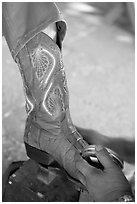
point(99, 61)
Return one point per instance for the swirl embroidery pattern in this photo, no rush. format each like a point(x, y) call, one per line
point(40, 61)
point(44, 62)
point(29, 105)
point(55, 102)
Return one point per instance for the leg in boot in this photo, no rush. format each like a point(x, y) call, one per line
point(48, 126)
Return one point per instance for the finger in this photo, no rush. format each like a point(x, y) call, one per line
point(104, 157)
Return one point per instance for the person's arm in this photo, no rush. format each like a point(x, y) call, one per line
point(106, 185)
point(123, 147)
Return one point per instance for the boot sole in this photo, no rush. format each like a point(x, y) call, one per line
point(45, 160)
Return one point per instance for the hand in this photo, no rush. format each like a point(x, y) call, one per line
point(107, 185)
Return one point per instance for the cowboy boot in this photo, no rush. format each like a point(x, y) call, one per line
point(49, 128)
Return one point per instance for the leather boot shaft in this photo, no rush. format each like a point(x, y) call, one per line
point(49, 126)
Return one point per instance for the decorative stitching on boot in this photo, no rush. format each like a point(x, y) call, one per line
point(45, 97)
point(54, 102)
point(29, 105)
point(41, 62)
point(64, 81)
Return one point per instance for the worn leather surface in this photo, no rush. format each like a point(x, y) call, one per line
point(48, 126)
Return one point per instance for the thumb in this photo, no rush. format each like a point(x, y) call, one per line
point(104, 157)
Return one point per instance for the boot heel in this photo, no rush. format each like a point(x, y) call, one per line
point(38, 155)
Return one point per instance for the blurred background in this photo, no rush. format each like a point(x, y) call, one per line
point(99, 58)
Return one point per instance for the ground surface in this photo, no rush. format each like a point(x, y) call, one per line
point(99, 61)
